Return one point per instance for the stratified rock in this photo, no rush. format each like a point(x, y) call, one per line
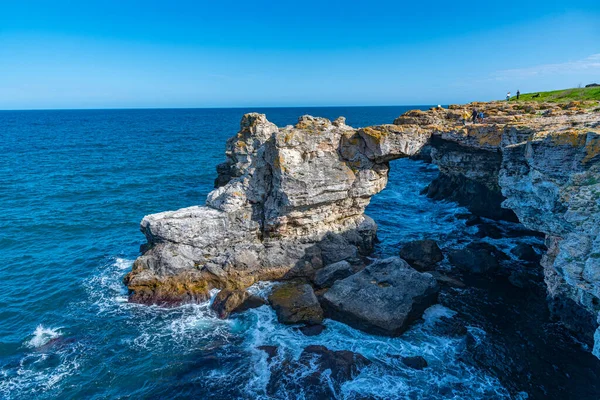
point(416, 362)
point(328, 275)
point(422, 254)
point(295, 304)
point(229, 301)
point(476, 258)
point(384, 298)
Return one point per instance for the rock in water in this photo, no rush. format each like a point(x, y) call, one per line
point(317, 374)
point(229, 301)
point(295, 304)
point(422, 254)
point(416, 362)
point(312, 330)
point(328, 275)
point(476, 258)
point(288, 201)
point(383, 299)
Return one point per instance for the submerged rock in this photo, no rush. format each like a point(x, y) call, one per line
point(317, 374)
point(422, 254)
point(312, 330)
point(229, 301)
point(296, 303)
point(476, 258)
point(416, 362)
point(383, 299)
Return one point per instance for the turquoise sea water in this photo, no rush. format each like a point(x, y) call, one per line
point(74, 186)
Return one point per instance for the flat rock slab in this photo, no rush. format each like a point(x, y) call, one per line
point(295, 304)
point(383, 299)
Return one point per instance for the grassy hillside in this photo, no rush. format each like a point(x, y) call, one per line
point(559, 96)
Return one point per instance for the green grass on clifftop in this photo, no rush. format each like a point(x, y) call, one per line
point(559, 96)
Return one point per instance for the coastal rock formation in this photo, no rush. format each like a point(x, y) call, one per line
point(291, 200)
point(288, 201)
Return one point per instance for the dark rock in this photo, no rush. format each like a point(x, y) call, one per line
point(489, 230)
point(526, 252)
point(452, 327)
point(270, 350)
point(229, 301)
point(326, 276)
point(318, 373)
point(477, 258)
point(312, 330)
point(592, 85)
point(422, 254)
point(336, 248)
point(473, 220)
point(383, 299)
point(416, 362)
point(296, 303)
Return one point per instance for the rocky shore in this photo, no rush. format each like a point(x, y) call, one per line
point(289, 205)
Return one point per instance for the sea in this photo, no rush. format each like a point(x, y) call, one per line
point(74, 185)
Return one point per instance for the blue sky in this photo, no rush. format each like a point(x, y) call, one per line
point(113, 54)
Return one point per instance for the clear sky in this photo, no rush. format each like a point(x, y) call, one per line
point(220, 53)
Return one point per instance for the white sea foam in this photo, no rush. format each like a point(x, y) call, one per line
point(43, 335)
point(435, 312)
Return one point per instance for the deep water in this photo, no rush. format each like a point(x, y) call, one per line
point(74, 186)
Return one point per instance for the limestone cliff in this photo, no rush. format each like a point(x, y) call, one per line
point(291, 200)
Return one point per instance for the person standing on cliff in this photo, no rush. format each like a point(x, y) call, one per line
point(465, 116)
point(518, 94)
point(508, 96)
point(474, 115)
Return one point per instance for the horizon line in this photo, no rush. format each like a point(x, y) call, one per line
point(216, 108)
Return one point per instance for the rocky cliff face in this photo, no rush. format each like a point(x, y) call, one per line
point(291, 200)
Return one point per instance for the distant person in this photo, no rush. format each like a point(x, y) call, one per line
point(474, 115)
point(508, 96)
point(481, 116)
point(465, 117)
point(518, 94)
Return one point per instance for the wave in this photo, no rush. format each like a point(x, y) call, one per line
point(42, 336)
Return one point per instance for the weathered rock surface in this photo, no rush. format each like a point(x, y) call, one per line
point(383, 299)
point(291, 200)
point(229, 301)
point(422, 254)
point(328, 275)
point(296, 304)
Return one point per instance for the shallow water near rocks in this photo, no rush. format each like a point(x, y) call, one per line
point(74, 186)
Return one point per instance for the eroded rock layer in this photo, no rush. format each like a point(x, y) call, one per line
point(291, 200)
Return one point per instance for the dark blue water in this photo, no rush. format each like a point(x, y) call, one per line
point(74, 186)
